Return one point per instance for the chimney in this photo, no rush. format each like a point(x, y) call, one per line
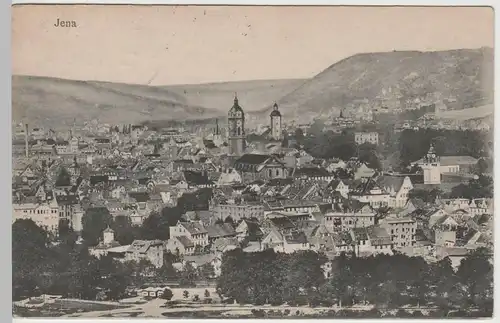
point(26, 139)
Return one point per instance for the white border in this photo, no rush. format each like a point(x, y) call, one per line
point(5, 76)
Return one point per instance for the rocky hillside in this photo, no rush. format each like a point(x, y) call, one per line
point(459, 78)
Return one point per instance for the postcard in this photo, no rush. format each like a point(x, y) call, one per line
point(252, 161)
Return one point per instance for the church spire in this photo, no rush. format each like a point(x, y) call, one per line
point(235, 98)
point(217, 127)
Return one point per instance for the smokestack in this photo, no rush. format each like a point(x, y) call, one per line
point(26, 139)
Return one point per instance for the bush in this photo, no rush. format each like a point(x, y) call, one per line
point(258, 313)
point(196, 298)
point(286, 312)
point(167, 294)
point(417, 314)
point(185, 294)
point(207, 293)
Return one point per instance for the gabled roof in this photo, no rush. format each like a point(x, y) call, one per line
point(185, 241)
point(194, 227)
point(296, 237)
point(378, 236)
point(255, 159)
point(391, 182)
point(366, 187)
point(220, 230)
point(142, 246)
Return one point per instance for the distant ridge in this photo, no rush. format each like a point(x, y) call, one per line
point(403, 78)
point(461, 79)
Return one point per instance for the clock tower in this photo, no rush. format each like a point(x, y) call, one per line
point(276, 132)
point(236, 129)
point(431, 167)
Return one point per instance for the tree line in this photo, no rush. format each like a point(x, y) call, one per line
point(68, 269)
point(386, 281)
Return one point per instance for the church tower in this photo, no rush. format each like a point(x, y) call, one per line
point(236, 129)
point(431, 167)
point(276, 132)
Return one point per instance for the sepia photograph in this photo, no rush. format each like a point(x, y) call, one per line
point(252, 162)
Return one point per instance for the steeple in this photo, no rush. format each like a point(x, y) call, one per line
point(235, 98)
point(217, 127)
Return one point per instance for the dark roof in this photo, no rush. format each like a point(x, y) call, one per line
point(220, 230)
point(67, 199)
point(296, 237)
point(139, 196)
point(366, 187)
point(196, 178)
point(236, 107)
point(253, 159)
point(275, 112)
point(311, 172)
point(185, 241)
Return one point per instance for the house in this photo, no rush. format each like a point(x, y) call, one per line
point(398, 188)
point(312, 173)
point(369, 191)
point(349, 214)
point(236, 211)
point(366, 137)
point(256, 166)
point(181, 245)
point(371, 240)
point(223, 245)
point(218, 231)
point(335, 165)
point(44, 214)
point(193, 230)
point(248, 229)
point(229, 177)
point(337, 185)
point(151, 250)
point(286, 243)
point(402, 230)
point(197, 179)
point(198, 261)
point(363, 171)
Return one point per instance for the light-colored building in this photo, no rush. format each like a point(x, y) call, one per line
point(193, 230)
point(151, 250)
point(398, 188)
point(44, 214)
point(401, 230)
point(366, 137)
point(237, 211)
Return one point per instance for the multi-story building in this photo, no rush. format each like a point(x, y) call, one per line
point(237, 211)
point(402, 230)
point(44, 214)
point(366, 137)
point(151, 250)
point(193, 230)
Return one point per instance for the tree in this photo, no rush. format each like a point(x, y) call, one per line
point(196, 298)
point(167, 294)
point(94, 222)
point(207, 293)
point(185, 294)
point(29, 251)
point(476, 274)
point(156, 225)
point(125, 233)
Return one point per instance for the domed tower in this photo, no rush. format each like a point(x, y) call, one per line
point(236, 129)
point(276, 132)
point(431, 167)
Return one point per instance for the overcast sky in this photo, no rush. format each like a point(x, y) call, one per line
point(180, 45)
